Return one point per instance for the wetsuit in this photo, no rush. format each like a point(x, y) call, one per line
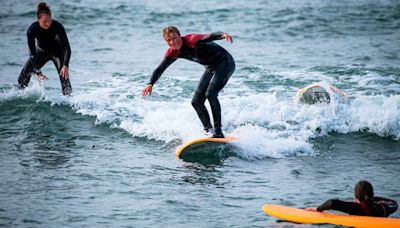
point(51, 44)
point(382, 207)
point(219, 66)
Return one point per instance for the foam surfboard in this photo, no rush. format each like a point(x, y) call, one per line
point(316, 93)
point(203, 146)
point(312, 94)
point(312, 217)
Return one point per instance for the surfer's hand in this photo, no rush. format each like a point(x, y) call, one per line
point(41, 76)
point(147, 90)
point(64, 72)
point(227, 37)
point(311, 209)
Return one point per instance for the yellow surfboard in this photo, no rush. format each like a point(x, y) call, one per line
point(312, 217)
point(312, 94)
point(316, 93)
point(203, 146)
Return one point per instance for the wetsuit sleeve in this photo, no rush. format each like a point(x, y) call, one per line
point(213, 36)
point(32, 48)
point(66, 49)
point(161, 68)
point(389, 205)
point(347, 207)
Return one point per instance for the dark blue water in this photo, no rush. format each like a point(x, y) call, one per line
point(105, 157)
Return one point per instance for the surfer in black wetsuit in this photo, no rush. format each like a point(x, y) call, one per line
point(47, 40)
point(219, 66)
point(365, 203)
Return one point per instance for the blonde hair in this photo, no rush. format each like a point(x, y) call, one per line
point(169, 29)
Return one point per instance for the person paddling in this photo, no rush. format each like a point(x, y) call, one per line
point(365, 203)
point(47, 40)
point(219, 66)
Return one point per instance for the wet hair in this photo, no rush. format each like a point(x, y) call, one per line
point(42, 8)
point(169, 29)
point(364, 192)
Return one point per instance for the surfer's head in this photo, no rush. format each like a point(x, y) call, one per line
point(364, 192)
point(173, 37)
point(43, 15)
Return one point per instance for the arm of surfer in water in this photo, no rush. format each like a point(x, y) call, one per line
point(338, 91)
point(157, 74)
point(216, 36)
point(32, 49)
point(66, 51)
point(343, 206)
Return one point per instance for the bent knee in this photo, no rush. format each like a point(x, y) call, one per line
point(211, 94)
point(196, 103)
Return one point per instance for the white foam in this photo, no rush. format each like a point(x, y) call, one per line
point(377, 114)
point(267, 125)
point(257, 143)
point(36, 89)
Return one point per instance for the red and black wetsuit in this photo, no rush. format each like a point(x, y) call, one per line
point(219, 66)
point(52, 44)
point(382, 207)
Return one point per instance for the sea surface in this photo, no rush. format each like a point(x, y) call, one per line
point(105, 156)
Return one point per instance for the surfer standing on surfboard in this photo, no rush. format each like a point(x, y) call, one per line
point(365, 203)
point(219, 66)
point(47, 40)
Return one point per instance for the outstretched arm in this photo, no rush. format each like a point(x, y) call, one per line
point(157, 74)
point(32, 49)
point(339, 205)
point(66, 51)
point(338, 91)
point(217, 36)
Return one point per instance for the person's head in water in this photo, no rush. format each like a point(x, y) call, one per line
point(364, 192)
point(173, 37)
point(43, 15)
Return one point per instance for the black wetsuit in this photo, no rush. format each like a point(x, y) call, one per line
point(381, 208)
point(44, 45)
point(219, 66)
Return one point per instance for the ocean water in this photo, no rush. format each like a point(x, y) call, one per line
point(105, 156)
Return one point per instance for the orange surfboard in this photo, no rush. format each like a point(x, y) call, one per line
point(312, 217)
point(203, 146)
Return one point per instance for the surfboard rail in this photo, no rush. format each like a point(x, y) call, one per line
point(227, 139)
point(297, 215)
